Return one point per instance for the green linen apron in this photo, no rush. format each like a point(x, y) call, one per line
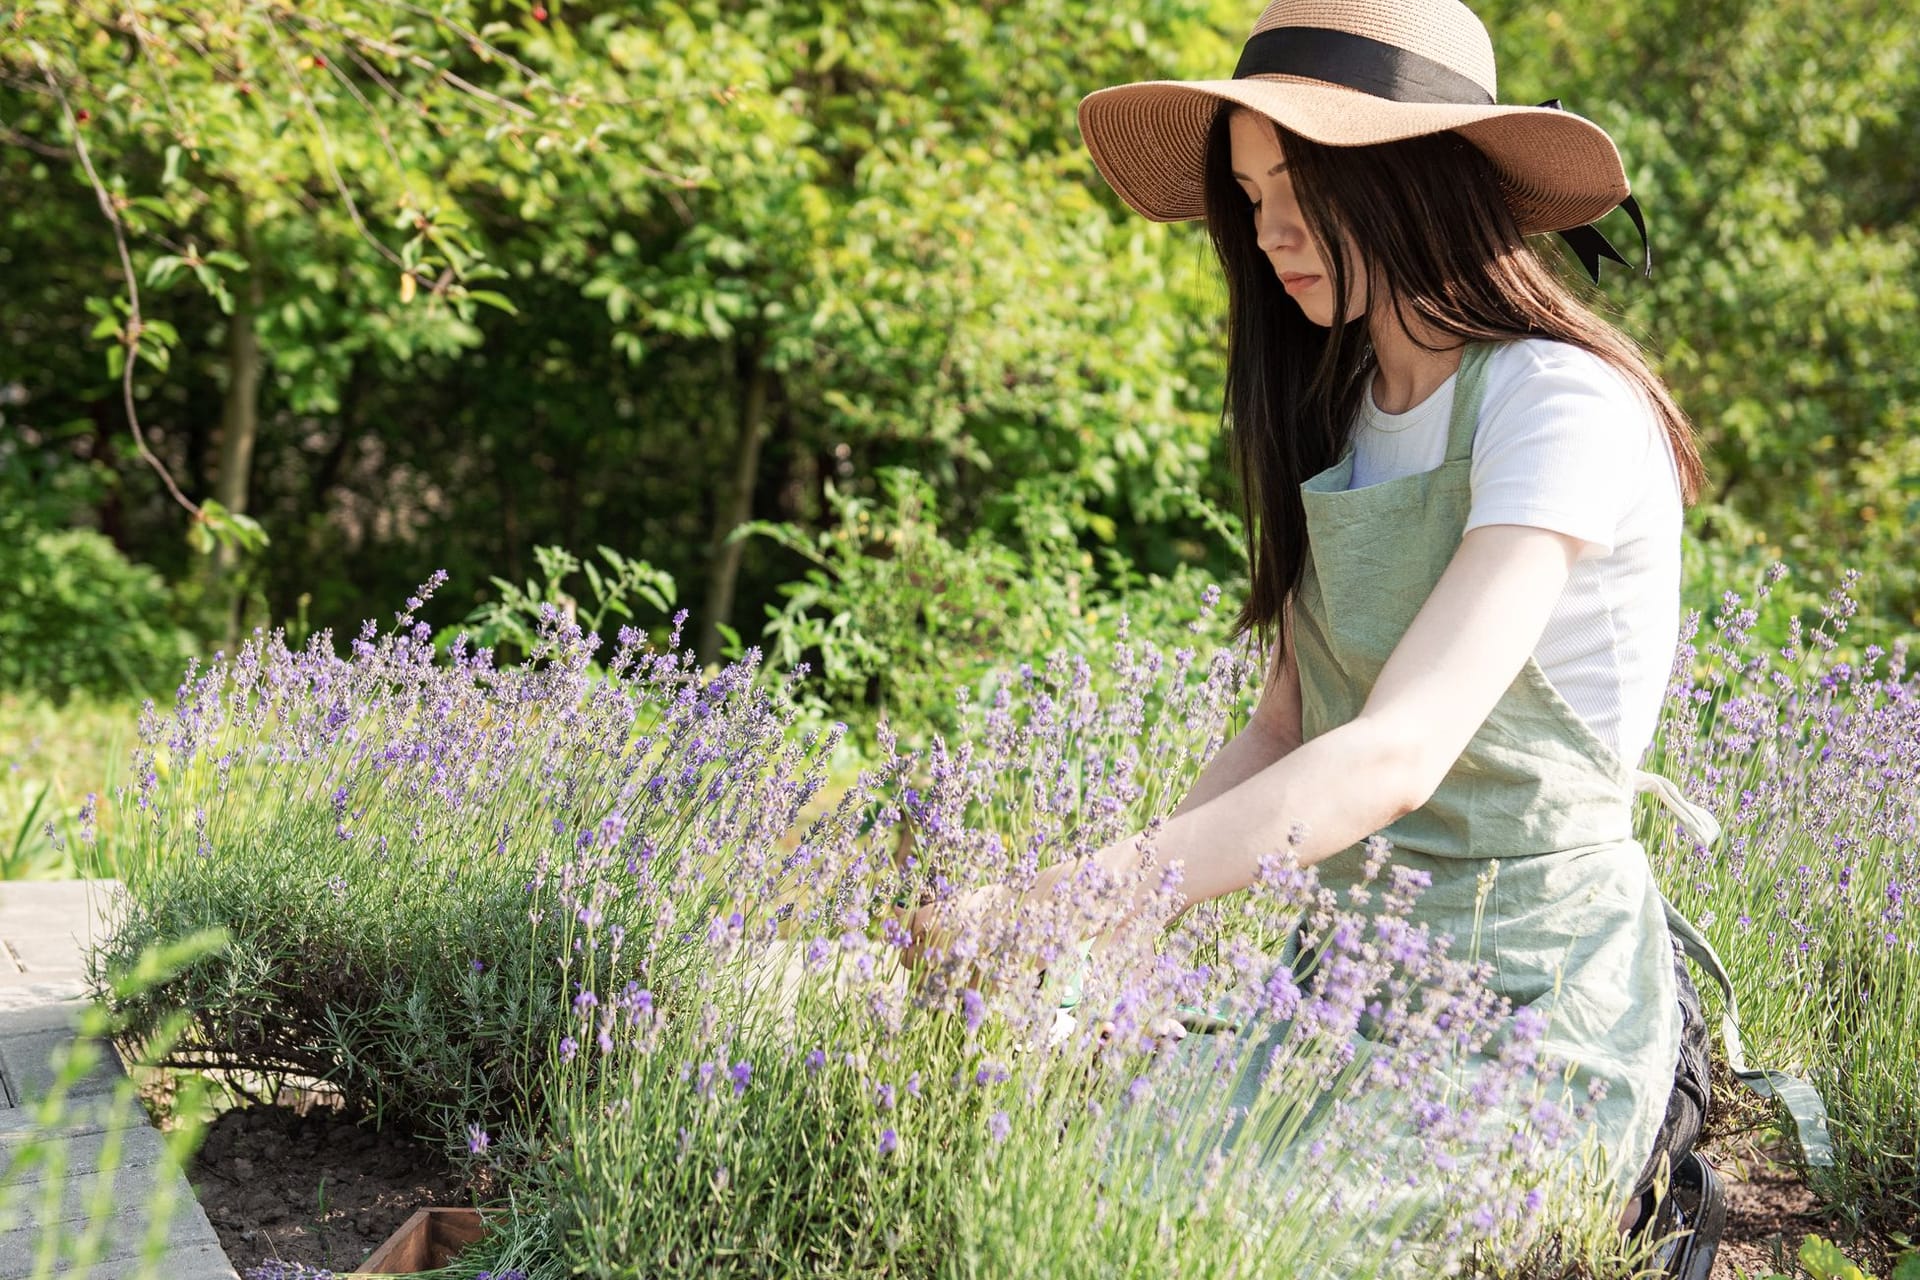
point(1573, 924)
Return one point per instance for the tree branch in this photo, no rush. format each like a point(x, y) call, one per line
point(131, 336)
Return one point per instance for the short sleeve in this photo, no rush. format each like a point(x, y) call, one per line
point(1562, 444)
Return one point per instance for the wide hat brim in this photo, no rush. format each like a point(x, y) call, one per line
point(1557, 169)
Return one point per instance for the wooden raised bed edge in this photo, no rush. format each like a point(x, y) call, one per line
point(430, 1238)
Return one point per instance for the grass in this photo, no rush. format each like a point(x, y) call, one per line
point(51, 757)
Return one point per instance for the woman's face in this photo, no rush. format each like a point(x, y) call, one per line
point(1261, 170)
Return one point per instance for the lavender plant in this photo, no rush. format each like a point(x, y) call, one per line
point(416, 862)
point(816, 1116)
point(818, 1113)
point(1809, 753)
point(605, 933)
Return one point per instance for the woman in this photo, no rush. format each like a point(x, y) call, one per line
point(1464, 495)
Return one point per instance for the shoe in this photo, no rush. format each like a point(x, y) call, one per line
point(1691, 1220)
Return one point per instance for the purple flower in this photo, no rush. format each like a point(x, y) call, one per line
point(999, 1126)
point(477, 1139)
point(889, 1142)
point(973, 1009)
point(989, 1073)
point(741, 1073)
point(279, 1269)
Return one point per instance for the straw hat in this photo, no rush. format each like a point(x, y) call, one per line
point(1355, 72)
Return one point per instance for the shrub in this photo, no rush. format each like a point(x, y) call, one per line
point(80, 616)
point(893, 615)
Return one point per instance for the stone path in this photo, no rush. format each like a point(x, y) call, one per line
point(43, 929)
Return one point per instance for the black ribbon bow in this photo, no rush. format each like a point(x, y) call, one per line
point(1589, 245)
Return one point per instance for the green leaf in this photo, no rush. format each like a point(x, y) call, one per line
point(1825, 1260)
point(492, 299)
point(163, 270)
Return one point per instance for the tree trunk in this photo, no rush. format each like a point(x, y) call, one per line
point(239, 427)
point(735, 506)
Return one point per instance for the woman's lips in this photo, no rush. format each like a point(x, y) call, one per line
point(1294, 283)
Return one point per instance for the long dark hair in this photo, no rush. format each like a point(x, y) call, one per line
point(1441, 245)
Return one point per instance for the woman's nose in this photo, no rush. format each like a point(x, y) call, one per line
point(1273, 232)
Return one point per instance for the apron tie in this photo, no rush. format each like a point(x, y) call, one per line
point(1702, 824)
point(1801, 1099)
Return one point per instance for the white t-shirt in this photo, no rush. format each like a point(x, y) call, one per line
point(1566, 443)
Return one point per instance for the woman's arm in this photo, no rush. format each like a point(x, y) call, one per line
point(1463, 649)
point(1270, 733)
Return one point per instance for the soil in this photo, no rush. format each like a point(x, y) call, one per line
point(1769, 1212)
point(309, 1185)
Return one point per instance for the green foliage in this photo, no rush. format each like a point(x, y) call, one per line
point(893, 615)
point(81, 616)
point(77, 616)
point(509, 623)
point(1824, 1260)
point(886, 217)
point(58, 766)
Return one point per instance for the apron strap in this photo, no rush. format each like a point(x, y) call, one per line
point(1801, 1099)
point(1469, 389)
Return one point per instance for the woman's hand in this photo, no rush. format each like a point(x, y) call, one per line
point(932, 929)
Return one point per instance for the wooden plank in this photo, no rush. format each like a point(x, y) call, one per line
point(429, 1239)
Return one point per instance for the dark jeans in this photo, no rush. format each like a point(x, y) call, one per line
point(1687, 1105)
